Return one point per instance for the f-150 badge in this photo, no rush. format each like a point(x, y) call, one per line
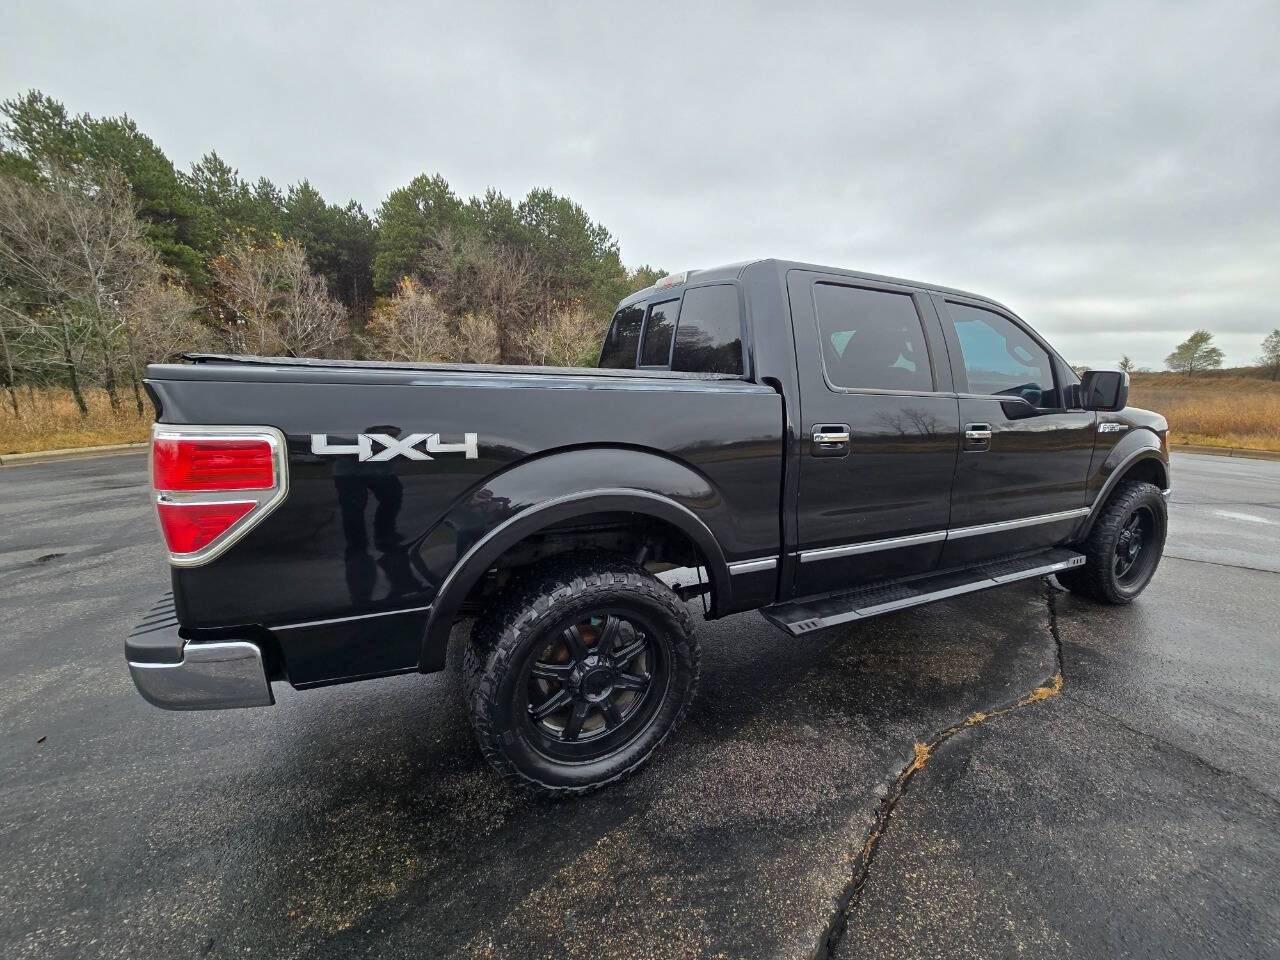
point(406, 446)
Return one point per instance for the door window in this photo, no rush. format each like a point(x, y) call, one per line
point(871, 339)
point(1000, 358)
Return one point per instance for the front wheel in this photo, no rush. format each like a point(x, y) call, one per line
point(581, 674)
point(1124, 547)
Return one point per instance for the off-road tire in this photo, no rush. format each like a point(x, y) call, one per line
point(505, 637)
point(1097, 579)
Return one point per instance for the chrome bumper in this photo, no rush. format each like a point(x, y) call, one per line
point(210, 676)
point(174, 674)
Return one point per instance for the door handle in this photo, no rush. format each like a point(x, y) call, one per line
point(977, 436)
point(830, 440)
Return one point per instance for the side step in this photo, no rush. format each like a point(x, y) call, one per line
point(816, 613)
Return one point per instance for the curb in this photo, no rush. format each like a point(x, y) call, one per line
point(72, 453)
point(1243, 452)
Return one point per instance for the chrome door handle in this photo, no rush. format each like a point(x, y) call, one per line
point(977, 437)
point(829, 440)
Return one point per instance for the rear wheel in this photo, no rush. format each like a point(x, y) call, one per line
point(1124, 547)
point(580, 675)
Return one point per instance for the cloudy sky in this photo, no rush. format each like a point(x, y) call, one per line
point(1110, 171)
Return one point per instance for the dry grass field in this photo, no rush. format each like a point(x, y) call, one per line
point(1213, 410)
point(49, 420)
point(1216, 411)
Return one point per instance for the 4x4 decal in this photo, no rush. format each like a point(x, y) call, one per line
point(406, 446)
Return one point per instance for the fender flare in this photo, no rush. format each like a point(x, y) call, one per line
point(1118, 473)
point(476, 562)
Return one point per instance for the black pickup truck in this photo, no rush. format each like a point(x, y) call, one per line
point(817, 444)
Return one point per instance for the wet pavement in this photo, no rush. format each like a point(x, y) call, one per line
point(1131, 814)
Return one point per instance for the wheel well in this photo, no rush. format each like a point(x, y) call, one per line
point(655, 544)
point(1149, 470)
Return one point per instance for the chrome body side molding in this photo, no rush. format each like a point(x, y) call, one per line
point(934, 536)
point(985, 528)
point(753, 566)
point(870, 546)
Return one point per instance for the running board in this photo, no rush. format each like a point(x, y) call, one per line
point(804, 616)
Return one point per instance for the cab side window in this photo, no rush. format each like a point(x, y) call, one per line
point(623, 338)
point(656, 351)
point(709, 337)
point(871, 339)
point(1000, 358)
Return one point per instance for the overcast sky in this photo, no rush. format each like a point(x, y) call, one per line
point(1110, 171)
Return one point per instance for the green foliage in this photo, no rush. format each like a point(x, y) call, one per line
point(408, 222)
point(40, 136)
point(539, 273)
point(643, 277)
point(1270, 359)
point(1195, 353)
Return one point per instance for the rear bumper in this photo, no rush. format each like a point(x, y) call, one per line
point(176, 674)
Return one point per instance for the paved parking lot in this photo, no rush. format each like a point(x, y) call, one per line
point(1133, 813)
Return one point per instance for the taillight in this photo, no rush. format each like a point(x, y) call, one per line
point(182, 464)
point(189, 527)
point(212, 484)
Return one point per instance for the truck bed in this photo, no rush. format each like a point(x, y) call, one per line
point(354, 539)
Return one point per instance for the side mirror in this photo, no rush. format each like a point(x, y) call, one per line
point(1106, 390)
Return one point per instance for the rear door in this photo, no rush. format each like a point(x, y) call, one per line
point(880, 431)
point(1024, 458)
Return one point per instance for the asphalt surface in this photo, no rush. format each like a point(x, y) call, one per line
point(1133, 813)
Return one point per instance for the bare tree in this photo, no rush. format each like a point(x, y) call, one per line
point(571, 338)
point(475, 339)
point(410, 326)
point(271, 303)
point(72, 260)
point(469, 275)
point(8, 370)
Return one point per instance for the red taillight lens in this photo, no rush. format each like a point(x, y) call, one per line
point(210, 464)
point(189, 526)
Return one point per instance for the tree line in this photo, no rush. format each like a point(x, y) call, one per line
point(111, 257)
point(1197, 353)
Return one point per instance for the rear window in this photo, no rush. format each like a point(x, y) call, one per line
point(709, 337)
point(620, 343)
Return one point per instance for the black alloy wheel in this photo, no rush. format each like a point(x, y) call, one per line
point(593, 685)
point(1135, 534)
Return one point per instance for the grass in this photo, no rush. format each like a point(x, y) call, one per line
point(48, 420)
point(1218, 411)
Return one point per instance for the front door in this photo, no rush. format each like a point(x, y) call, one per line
point(1024, 456)
point(880, 432)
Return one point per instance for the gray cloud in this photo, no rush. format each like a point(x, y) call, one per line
point(1108, 170)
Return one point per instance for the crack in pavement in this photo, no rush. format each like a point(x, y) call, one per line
point(850, 897)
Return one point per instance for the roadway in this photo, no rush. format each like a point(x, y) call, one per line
point(1132, 814)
